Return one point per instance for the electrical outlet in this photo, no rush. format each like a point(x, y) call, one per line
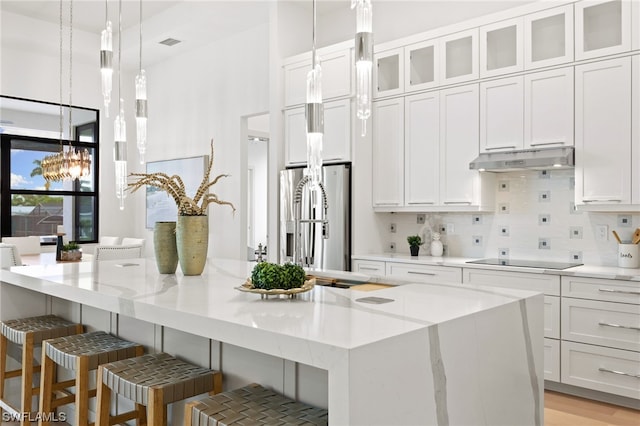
point(451, 229)
point(421, 219)
point(392, 227)
point(602, 232)
point(392, 247)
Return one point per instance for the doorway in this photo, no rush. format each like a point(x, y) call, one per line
point(257, 184)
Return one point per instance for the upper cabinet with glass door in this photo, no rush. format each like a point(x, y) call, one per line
point(388, 75)
point(602, 28)
point(501, 48)
point(548, 37)
point(459, 57)
point(421, 66)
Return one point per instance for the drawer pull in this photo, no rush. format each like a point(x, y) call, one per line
point(431, 274)
point(491, 148)
point(368, 268)
point(630, 327)
point(621, 373)
point(610, 290)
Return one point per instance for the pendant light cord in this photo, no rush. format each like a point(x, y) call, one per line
point(119, 52)
point(140, 56)
point(61, 116)
point(70, 68)
point(313, 47)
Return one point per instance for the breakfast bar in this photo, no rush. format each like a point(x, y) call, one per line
point(403, 355)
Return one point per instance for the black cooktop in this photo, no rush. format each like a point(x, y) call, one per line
point(526, 263)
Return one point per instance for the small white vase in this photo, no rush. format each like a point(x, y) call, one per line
point(436, 245)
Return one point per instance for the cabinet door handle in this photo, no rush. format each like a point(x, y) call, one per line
point(611, 200)
point(490, 148)
point(546, 143)
point(431, 274)
point(458, 202)
point(333, 159)
point(621, 373)
point(367, 268)
point(421, 202)
point(297, 162)
point(630, 327)
point(610, 290)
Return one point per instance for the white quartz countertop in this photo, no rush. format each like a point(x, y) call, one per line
point(209, 304)
point(589, 271)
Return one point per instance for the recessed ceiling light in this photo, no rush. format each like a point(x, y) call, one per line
point(170, 41)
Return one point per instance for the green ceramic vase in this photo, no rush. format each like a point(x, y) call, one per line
point(164, 244)
point(192, 239)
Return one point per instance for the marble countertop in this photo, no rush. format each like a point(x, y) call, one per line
point(209, 304)
point(589, 271)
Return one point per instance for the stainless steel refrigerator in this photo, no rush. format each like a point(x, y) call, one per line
point(324, 237)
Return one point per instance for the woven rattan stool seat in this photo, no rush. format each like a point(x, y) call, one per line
point(98, 346)
point(178, 380)
point(42, 327)
point(253, 405)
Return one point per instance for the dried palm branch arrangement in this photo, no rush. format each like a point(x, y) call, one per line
point(174, 187)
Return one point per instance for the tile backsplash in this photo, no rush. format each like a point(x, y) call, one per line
point(534, 218)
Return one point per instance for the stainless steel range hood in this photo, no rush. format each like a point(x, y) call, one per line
point(537, 159)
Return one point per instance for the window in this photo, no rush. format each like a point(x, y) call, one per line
point(29, 205)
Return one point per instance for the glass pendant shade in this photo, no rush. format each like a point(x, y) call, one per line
point(315, 123)
point(106, 65)
point(120, 156)
point(363, 59)
point(141, 114)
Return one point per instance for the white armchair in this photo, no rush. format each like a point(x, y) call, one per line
point(109, 241)
point(131, 251)
point(127, 241)
point(25, 245)
point(9, 255)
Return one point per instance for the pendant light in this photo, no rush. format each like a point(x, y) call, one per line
point(141, 103)
point(314, 113)
point(120, 128)
point(106, 59)
point(72, 163)
point(363, 59)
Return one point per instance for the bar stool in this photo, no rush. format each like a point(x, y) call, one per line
point(28, 332)
point(81, 353)
point(154, 381)
point(252, 404)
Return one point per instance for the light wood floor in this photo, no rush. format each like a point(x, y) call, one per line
point(566, 410)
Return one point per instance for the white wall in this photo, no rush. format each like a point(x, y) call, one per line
point(202, 95)
point(31, 73)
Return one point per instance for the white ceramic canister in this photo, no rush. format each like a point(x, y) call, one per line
point(628, 256)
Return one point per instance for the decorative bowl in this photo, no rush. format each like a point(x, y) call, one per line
point(306, 286)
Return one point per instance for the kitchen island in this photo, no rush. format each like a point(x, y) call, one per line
point(429, 354)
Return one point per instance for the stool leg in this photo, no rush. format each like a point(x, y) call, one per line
point(82, 391)
point(103, 401)
point(141, 420)
point(156, 410)
point(27, 376)
point(47, 373)
point(3, 365)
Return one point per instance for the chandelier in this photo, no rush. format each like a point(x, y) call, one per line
point(69, 163)
point(106, 60)
point(364, 59)
point(141, 102)
point(120, 128)
point(314, 113)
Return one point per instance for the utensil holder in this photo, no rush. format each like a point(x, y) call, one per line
point(628, 256)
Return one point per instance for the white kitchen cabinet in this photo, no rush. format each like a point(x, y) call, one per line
point(461, 188)
point(594, 322)
point(602, 27)
point(501, 48)
point(421, 146)
point(388, 74)
point(388, 153)
point(548, 108)
point(421, 65)
point(336, 76)
point(369, 267)
point(600, 368)
point(502, 114)
point(620, 291)
point(548, 37)
point(603, 133)
point(459, 57)
point(337, 133)
point(424, 273)
point(552, 360)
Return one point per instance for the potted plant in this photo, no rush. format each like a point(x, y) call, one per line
point(414, 244)
point(192, 229)
point(71, 252)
